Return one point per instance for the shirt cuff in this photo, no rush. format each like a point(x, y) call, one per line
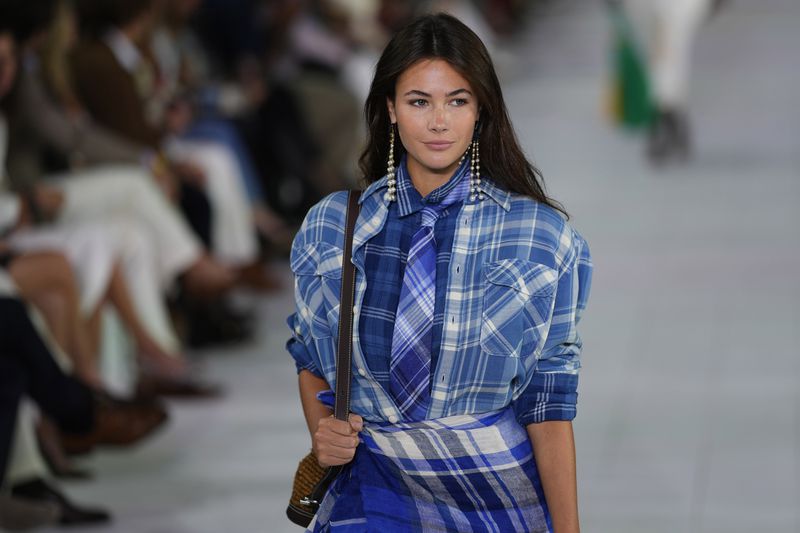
point(299, 352)
point(549, 396)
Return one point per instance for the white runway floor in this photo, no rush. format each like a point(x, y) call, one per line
point(689, 411)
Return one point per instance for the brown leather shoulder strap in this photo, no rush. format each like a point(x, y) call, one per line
point(344, 353)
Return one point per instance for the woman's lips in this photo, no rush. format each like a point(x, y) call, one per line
point(438, 145)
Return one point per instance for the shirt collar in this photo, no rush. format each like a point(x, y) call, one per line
point(372, 188)
point(500, 196)
point(409, 200)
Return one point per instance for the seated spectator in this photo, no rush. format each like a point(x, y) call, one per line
point(105, 195)
point(116, 82)
point(27, 368)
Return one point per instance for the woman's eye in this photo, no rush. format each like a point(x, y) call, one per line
point(458, 102)
point(419, 102)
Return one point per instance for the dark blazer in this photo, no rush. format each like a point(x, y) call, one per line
point(40, 123)
point(108, 92)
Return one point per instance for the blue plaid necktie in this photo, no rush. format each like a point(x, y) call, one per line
point(410, 365)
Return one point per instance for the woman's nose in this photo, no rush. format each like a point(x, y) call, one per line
point(438, 122)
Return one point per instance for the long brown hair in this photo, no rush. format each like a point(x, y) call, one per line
point(443, 36)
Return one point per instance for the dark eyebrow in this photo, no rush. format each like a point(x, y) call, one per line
point(426, 95)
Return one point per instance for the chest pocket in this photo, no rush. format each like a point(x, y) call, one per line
point(517, 305)
point(318, 271)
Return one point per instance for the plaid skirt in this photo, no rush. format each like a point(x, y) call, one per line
point(461, 473)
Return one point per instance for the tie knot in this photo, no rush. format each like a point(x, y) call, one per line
point(431, 212)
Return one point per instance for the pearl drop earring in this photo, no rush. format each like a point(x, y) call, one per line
point(391, 193)
point(475, 171)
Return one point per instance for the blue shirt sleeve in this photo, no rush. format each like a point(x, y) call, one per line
point(300, 345)
point(552, 391)
point(297, 348)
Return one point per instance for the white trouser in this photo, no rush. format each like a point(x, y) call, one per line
point(233, 237)
point(666, 29)
point(127, 191)
point(93, 249)
point(89, 249)
point(159, 244)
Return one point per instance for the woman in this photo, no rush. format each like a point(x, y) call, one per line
point(469, 286)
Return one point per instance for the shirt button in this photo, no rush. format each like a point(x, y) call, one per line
point(355, 309)
point(393, 419)
point(362, 372)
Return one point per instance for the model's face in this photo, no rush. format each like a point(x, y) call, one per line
point(435, 110)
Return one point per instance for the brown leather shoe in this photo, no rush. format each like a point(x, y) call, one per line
point(117, 423)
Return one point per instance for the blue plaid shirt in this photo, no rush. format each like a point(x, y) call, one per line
point(512, 280)
point(386, 255)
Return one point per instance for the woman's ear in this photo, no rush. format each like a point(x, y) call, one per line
point(390, 107)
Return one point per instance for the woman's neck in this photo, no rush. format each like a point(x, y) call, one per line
point(425, 180)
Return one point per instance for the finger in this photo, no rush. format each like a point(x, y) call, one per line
point(335, 455)
point(338, 441)
point(356, 422)
point(326, 450)
point(339, 426)
point(332, 458)
point(326, 462)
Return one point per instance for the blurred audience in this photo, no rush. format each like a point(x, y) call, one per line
point(28, 367)
point(135, 101)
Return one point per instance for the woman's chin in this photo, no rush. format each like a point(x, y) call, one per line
point(440, 165)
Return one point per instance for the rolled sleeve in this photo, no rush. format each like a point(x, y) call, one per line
point(297, 348)
point(300, 345)
point(549, 396)
point(551, 393)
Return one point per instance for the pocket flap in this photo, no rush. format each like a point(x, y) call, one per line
point(527, 277)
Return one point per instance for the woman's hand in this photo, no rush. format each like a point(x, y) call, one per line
point(334, 442)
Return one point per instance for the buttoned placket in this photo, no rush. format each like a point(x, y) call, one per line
point(451, 329)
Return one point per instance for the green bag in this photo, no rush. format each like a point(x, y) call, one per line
point(631, 102)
